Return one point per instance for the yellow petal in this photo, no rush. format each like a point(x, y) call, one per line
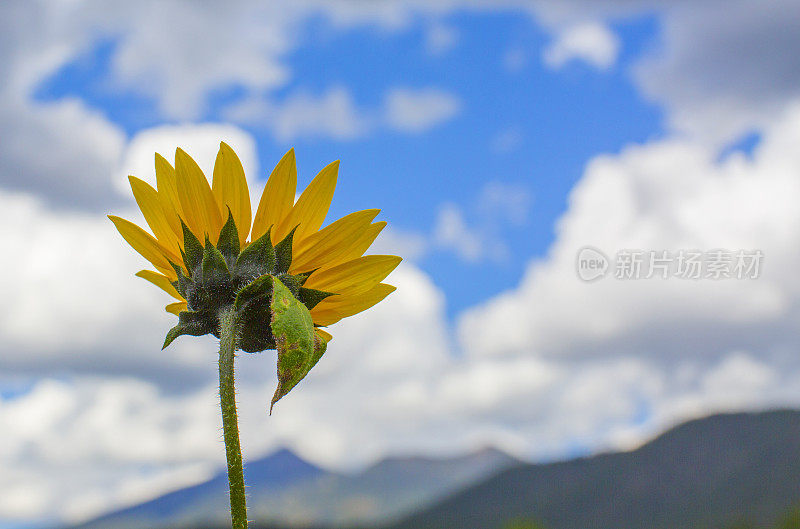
point(176, 308)
point(359, 246)
point(230, 190)
point(329, 243)
point(161, 281)
point(145, 244)
point(329, 312)
point(324, 335)
point(200, 209)
point(168, 195)
point(355, 276)
point(278, 196)
point(148, 201)
point(312, 206)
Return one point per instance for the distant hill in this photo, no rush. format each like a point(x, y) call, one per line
point(722, 472)
point(283, 488)
point(710, 473)
point(207, 503)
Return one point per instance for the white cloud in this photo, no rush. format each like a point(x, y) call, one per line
point(440, 39)
point(507, 141)
point(504, 202)
point(707, 89)
point(71, 302)
point(177, 53)
point(335, 114)
point(497, 206)
point(667, 195)
point(722, 74)
point(451, 232)
point(418, 110)
point(62, 151)
point(720, 70)
point(590, 42)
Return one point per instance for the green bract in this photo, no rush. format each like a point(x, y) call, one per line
point(270, 306)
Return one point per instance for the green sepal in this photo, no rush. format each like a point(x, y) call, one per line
point(299, 347)
point(257, 259)
point(213, 262)
point(228, 243)
point(259, 287)
point(291, 282)
point(283, 253)
point(191, 323)
point(310, 297)
point(302, 278)
point(183, 283)
point(192, 249)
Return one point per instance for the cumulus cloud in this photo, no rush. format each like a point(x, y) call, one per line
point(177, 63)
point(719, 70)
point(440, 39)
point(715, 98)
point(498, 205)
point(506, 141)
point(589, 42)
point(721, 74)
point(662, 196)
point(59, 312)
point(336, 115)
point(417, 110)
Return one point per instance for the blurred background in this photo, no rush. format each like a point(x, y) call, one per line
point(499, 138)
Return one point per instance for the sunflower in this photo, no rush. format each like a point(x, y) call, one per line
point(324, 268)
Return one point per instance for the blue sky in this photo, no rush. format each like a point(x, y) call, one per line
point(498, 137)
point(527, 126)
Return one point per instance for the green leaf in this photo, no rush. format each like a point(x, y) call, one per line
point(192, 249)
point(283, 253)
point(213, 262)
point(191, 323)
point(260, 287)
point(311, 297)
point(299, 347)
point(228, 243)
point(257, 259)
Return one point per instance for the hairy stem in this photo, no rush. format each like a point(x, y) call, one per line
point(230, 425)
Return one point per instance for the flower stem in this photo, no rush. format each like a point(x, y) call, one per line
point(230, 425)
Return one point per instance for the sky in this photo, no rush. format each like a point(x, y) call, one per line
point(499, 138)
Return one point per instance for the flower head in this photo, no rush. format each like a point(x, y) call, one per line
point(279, 274)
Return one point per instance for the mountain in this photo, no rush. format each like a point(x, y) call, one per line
point(208, 502)
point(390, 489)
point(710, 473)
point(285, 489)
